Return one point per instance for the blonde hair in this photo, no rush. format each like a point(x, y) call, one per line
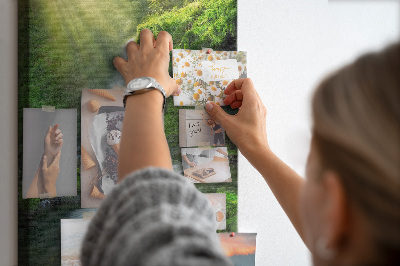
point(356, 130)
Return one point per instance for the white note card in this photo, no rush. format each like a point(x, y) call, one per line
point(218, 70)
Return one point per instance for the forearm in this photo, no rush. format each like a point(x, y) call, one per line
point(284, 182)
point(143, 141)
point(35, 187)
point(185, 158)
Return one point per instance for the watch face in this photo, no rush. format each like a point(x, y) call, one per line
point(140, 83)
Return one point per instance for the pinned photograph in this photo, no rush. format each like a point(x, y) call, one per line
point(218, 201)
point(72, 233)
point(198, 129)
point(49, 153)
point(102, 114)
point(239, 247)
point(204, 74)
point(206, 165)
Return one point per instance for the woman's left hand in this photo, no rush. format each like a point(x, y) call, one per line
point(149, 59)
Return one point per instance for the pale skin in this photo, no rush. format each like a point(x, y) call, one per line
point(316, 206)
point(44, 181)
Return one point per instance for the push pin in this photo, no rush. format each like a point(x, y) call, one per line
point(232, 234)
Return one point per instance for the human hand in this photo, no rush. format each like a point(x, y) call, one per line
point(53, 142)
point(192, 164)
point(247, 129)
point(50, 174)
point(150, 59)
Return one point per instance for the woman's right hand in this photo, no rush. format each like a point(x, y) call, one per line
point(247, 129)
point(53, 142)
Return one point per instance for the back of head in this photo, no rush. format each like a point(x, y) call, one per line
point(356, 130)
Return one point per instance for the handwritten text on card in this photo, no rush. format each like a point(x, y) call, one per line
point(219, 70)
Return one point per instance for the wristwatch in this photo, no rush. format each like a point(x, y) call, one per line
point(142, 85)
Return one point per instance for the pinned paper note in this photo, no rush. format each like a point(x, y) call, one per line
point(219, 70)
point(204, 76)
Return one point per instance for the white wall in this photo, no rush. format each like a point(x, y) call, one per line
point(291, 45)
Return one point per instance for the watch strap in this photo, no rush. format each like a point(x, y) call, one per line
point(153, 86)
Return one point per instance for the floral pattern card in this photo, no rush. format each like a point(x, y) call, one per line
point(204, 75)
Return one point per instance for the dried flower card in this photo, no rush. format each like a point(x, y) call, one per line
point(204, 76)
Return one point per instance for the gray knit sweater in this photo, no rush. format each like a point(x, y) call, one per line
point(154, 217)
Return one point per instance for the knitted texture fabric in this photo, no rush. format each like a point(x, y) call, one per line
point(154, 217)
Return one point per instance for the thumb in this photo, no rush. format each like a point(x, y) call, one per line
point(218, 113)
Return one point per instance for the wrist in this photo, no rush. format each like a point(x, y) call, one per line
point(143, 85)
point(50, 189)
point(146, 100)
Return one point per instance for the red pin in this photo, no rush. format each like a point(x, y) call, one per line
point(209, 51)
point(232, 234)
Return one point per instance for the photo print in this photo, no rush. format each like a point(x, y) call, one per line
point(239, 247)
point(198, 129)
point(72, 233)
point(206, 165)
point(102, 114)
point(49, 153)
point(204, 75)
point(218, 201)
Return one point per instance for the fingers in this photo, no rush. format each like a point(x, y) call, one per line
point(248, 93)
point(234, 100)
point(233, 86)
point(60, 142)
point(56, 126)
point(48, 132)
point(147, 40)
point(131, 48)
point(164, 41)
point(59, 137)
point(177, 92)
point(217, 113)
point(119, 63)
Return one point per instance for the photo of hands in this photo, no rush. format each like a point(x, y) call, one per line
point(206, 165)
point(49, 155)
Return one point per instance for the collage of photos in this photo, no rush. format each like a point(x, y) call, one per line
point(49, 159)
point(102, 114)
point(73, 147)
